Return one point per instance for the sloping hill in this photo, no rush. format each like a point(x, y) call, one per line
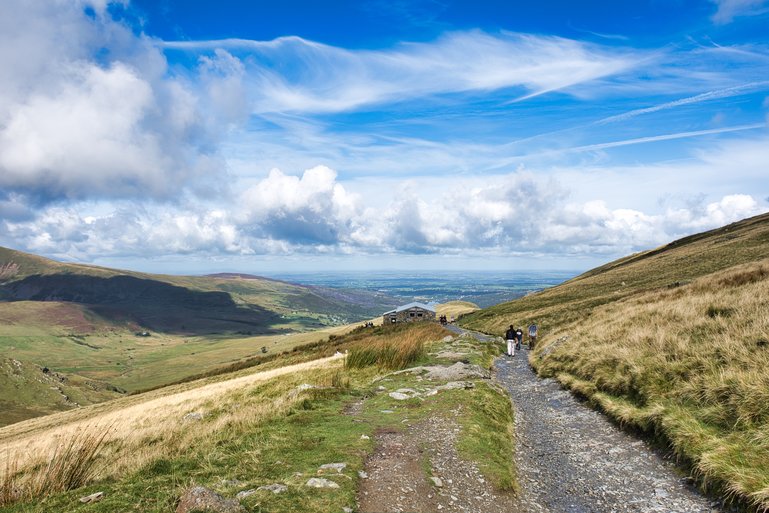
point(184, 304)
point(669, 266)
point(673, 342)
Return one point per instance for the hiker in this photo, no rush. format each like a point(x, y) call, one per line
point(532, 335)
point(518, 338)
point(510, 337)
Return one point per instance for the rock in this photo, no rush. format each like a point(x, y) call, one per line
point(274, 488)
point(94, 497)
point(305, 386)
point(200, 498)
point(347, 510)
point(193, 416)
point(380, 388)
point(362, 474)
point(319, 482)
point(245, 493)
point(231, 482)
point(437, 481)
point(456, 385)
point(459, 370)
point(365, 437)
point(448, 338)
point(332, 467)
point(404, 393)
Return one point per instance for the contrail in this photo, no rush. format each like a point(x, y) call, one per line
point(664, 137)
point(710, 95)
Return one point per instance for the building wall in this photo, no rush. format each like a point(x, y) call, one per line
point(411, 315)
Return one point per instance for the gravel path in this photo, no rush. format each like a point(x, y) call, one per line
point(572, 459)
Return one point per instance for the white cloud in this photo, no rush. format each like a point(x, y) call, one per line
point(314, 77)
point(313, 209)
point(730, 9)
point(284, 215)
point(90, 109)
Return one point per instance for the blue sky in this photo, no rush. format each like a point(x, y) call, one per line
point(198, 136)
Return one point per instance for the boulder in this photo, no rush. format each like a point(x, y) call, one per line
point(200, 498)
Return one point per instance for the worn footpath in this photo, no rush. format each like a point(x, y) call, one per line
point(571, 459)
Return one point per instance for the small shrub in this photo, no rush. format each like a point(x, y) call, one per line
point(716, 311)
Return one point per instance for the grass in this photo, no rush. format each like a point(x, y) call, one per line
point(394, 348)
point(257, 428)
point(673, 342)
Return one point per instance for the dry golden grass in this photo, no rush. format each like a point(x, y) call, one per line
point(690, 363)
point(127, 434)
point(396, 349)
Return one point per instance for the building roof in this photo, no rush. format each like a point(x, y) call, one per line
point(409, 306)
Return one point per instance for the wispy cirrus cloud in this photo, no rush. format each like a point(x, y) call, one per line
point(727, 10)
point(324, 78)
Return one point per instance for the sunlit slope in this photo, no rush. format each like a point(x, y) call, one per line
point(674, 342)
point(668, 266)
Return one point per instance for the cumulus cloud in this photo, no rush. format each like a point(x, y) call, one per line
point(313, 209)
point(90, 110)
point(516, 214)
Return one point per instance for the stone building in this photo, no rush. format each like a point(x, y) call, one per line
point(409, 313)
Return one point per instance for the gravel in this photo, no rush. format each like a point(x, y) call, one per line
point(572, 459)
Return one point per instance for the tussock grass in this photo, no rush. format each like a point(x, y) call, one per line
point(673, 342)
point(687, 364)
point(256, 429)
point(72, 462)
point(393, 347)
point(131, 433)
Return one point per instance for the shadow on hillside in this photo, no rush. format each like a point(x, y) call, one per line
point(152, 304)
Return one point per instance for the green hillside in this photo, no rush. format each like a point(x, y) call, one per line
point(236, 303)
point(132, 331)
point(673, 342)
point(668, 266)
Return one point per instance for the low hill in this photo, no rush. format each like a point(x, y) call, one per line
point(112, 330)
point(673, 342)
point(184, 304)
point(456, 309)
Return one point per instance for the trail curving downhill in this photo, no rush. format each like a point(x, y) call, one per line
point(571, 459)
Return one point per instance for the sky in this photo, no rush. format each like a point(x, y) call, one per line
point(192, 136)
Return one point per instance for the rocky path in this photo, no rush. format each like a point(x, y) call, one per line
point(571, 459)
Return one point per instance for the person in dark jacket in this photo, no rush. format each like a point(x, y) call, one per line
point(518, 338)
point(510, 337)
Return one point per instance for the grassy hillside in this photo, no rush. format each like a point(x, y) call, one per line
point(84, 322)
point(247, 429)
point(673, 342)
point(455, 309)
point(184, 304)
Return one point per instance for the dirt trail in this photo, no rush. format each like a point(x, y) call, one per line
point(397, 478)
